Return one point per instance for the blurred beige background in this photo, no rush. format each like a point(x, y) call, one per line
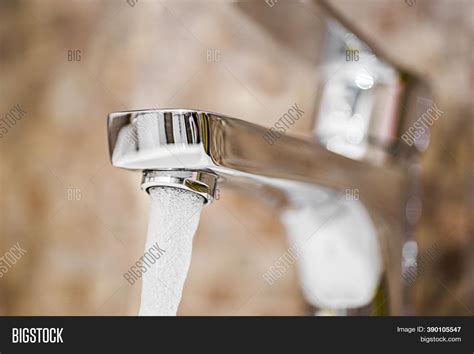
point(246, 60)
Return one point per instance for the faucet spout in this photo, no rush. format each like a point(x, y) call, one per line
point(192, 149)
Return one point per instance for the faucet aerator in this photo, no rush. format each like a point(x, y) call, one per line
point(199, 182)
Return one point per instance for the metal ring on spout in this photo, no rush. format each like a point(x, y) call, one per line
point(202, 183)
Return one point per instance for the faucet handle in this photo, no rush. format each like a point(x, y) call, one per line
point(367, 106)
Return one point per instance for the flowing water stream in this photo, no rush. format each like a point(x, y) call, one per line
point(173, 220)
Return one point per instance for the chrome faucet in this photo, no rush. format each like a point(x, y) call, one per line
point(342, 194)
